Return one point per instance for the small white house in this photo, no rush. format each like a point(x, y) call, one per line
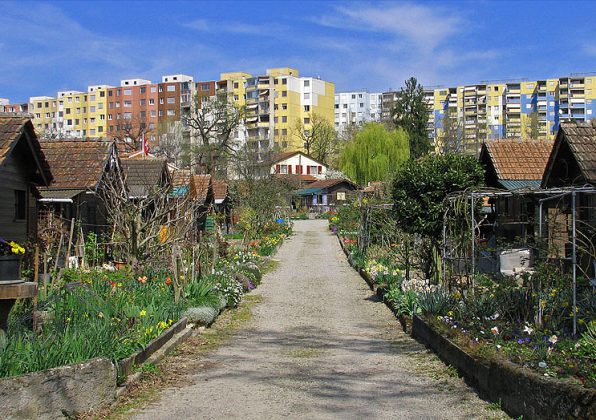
point(298, 163)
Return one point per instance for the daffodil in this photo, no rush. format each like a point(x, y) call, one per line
point(142, 313)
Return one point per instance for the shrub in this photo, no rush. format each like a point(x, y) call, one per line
point(202, 315)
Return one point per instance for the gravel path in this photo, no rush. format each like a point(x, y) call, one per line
point(319, 346)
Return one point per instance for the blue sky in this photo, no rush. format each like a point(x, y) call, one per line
point(46, 47)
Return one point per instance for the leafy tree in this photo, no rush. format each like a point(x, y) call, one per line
point(374, 153)
point(318, 136)
point(410, 112)
point(419, 189)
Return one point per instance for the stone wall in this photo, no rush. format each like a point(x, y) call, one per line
point(60, 392)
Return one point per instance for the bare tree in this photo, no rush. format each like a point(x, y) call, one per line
point(174, 143)
point(452, 134)
point(148, 221)
point(214, 122)
point(130, 131)
point(318, 136)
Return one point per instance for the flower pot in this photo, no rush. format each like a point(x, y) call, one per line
point(10, 269)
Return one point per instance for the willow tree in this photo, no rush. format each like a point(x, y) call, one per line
point(374, 153)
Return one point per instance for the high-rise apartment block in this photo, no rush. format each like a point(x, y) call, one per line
point(278, 105)
point(357, 108)
point(512, 109)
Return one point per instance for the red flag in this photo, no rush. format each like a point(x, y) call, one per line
point(145, 145)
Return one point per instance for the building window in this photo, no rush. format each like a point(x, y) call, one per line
point(153, 113)
point(91, 98)
point(284, 81)
point(127, 92)
point(67, 110)
point(306, 120)
point(306, 83)
point(161, 113)
point(284, 132)
point(235, 85)
point(151, 101)
point(161, 101)
point(307, 96)
point(153, 89)
point(171, 112)
point(127, 115)
point(284, 119)
point(172, 88)
point(284, 93)
point(92, 131)
point(171, 100)
point(283, 169)
point(205, 86)
point(91, 109)
point(284, 106)
point(100, 129)
point(20, 205)
point(142, 102)
point(102, 94)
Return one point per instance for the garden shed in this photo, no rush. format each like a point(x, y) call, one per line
point(202, 198)
point(516, 166)
point(23, 167)
point(144, 176)
point(324, 195)
point(81, 169)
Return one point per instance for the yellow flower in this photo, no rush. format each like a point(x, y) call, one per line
point(100, 314)
point(143, 313)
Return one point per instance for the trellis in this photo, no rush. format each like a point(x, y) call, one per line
point(461, 225)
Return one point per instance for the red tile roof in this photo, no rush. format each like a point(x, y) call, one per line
point(519, 159)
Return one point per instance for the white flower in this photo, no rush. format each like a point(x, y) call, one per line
point(494, 330)
point(528, 330)
point(553, 339)
point(498, 347)
point(542, 365)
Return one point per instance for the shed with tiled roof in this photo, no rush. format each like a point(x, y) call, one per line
point(573, 158)
point(81, 169)
point(23, 169)
point(515, 164)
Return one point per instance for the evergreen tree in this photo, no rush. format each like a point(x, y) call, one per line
point(374, 153)
point(411, 113)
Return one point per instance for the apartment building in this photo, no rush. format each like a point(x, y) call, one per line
point(513, 109)
point(6, 106)
point(357, 108)
point(278, 104)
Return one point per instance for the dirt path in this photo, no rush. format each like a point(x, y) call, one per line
point(319, 346)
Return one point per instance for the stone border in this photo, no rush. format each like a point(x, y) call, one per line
point(125, 366)
point(520, 391)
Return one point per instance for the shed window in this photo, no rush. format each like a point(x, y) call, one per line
point(20, 204)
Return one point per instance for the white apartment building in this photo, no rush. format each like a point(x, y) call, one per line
point(357, 108)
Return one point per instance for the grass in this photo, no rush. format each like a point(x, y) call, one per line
point(495, 406)
point(186, 359)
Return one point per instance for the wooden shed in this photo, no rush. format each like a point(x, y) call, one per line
point(23, 167)
point(80, 168)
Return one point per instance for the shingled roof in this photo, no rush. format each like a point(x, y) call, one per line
point(77, 164)
point(201, 187)
point(581, 140)
point(12, 128)
point(328, 183)
point(519, 159)
point(142, 174)
point(220, 191)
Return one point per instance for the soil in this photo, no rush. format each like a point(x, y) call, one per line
point(319, 345)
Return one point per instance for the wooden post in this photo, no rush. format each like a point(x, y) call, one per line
point(72, 222)
point(45, 273)
point(58, 252)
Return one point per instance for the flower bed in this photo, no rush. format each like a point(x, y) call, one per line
point(113, 314)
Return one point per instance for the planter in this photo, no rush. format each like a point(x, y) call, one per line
point(120, 265)
point(521, 391)
point(10, 269)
